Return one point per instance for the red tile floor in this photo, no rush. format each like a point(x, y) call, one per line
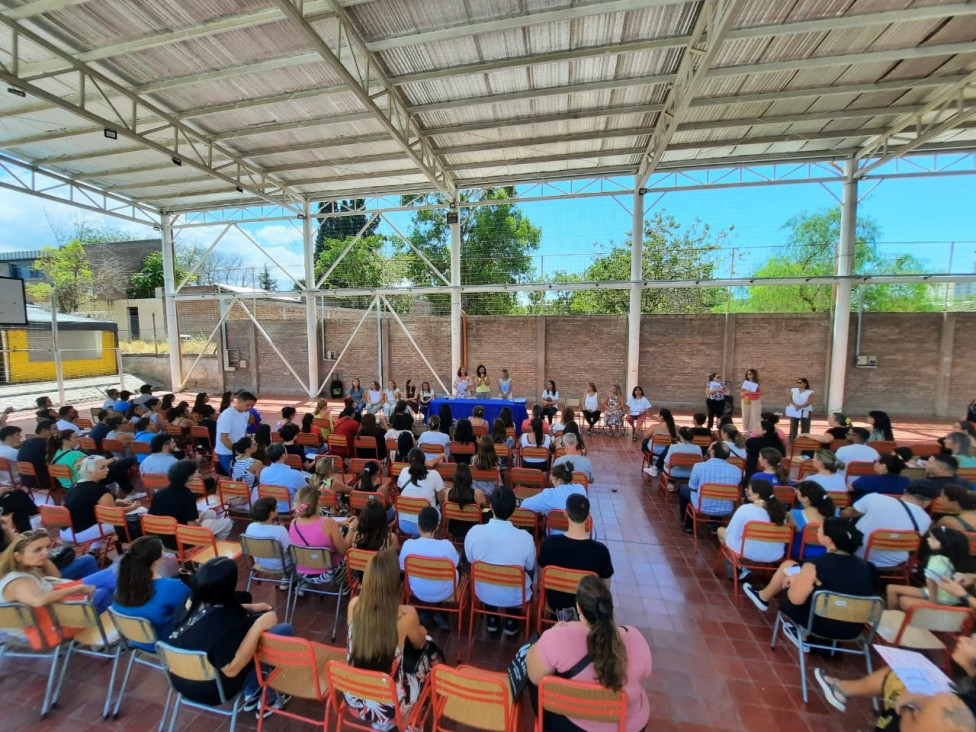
point(713, 668)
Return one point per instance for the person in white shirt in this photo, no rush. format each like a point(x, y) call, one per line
point(550, 401)
point(637, 407)
point(462, 384)
point(281, 473)
point(9, 447)
point(374, 398)
point(111, 397)
point(264, 511)
point(561, 479)
point(232, 426)
point(893, 513)
point(66, 420)
point(499, 542)
point(434, 436)
point(581, 463)
point(427, 546)
point(760, 505)
point(801, 399)
point(535, 437)
point(591, 406)
point(390, 398)
point(857, 451)
point(830, 472)
point(417, 481)
point(161, 459)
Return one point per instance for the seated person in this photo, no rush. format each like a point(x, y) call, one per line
point(161, 459)
point(178, 501)
point(961, 447)
point(760, 504)
point(434, 436)
point(288, 433)
point(346, 426)
point(887, 478)
point(684, 446)
point(581, 463)
point(536, 414)
point(771, 468)
point(265, 525)
point(830, 471)
point(429, 546)
point(574, 550)
point(908, 512)
point(838, 425)
point(81, 499)
point(620, 658)
point(146, 590)
point(698, 427)
point(311, 528)
point(280, 473)
point(228, 631)
point(33, 450)
point(815, 506)
point(554, 497)
point(948, 555)
point(536, 437)
point(716, 469)
point(500, 542)
point(857, 450)
point(417, 481)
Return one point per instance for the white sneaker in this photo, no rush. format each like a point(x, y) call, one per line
point(651, 471)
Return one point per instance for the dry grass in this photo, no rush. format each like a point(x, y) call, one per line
point(189, 346)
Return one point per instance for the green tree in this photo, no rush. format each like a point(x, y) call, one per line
point(497, 241)
point(811, 250)
point(69, 276)
point(340, 228)
point(266, 281)
point(670, 252)
point(144, 283)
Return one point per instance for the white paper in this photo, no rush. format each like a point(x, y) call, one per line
point(750, 386)
point(915, 671)
point(793, 412)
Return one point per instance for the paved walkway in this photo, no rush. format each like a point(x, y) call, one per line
point(22, 397)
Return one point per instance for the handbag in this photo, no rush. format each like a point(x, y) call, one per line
point(62, 557)
point(518, 672)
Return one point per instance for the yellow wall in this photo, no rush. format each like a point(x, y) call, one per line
point(22, 369)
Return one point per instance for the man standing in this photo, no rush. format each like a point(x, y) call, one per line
point(716, 469)
point(232, 426)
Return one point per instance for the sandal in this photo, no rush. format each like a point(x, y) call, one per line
point(835, 697)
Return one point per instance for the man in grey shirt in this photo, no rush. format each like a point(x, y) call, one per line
point(581, 463)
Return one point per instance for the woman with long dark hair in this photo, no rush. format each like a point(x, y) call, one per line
point(463, 434)
point(482, 384)
point(373, 532)
point(229, 631)
point(594, 649)
point(386, 636)
point(417, 481)
point(815, 506)
point(145, 589)
point(535, 438)
point(715, 392)
point(760, 504)
point(768, 438)
point(225, 401)
point(463, 492)
point(881, 426)
point(201, 399)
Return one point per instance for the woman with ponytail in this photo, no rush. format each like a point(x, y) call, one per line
point(594, 649)
point(771, 468)
point(146, 590)
point(760, 505)
point(815, 506)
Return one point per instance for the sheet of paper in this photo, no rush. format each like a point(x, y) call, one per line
point(750, 386)
point(916, 672)
point(793, 412)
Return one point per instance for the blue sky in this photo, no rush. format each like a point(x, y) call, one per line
point(916, 215)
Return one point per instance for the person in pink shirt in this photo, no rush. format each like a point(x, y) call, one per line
point(620, 658)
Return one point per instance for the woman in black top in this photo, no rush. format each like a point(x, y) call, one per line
point(411, 397)
point(839, 570)
point(229, 630)
point(838, 425)
point(768, 438)
point(464, 434)
point(369, 428)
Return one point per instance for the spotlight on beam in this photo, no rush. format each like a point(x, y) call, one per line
point(111, 134)
point(177, 161)
point(16, 92)
point(238, 189)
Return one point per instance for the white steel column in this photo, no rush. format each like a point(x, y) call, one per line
point(454, 223)
point(842, 291)
point(636, 288)
point(311, 311)
point(169, 301)
point(56, 348)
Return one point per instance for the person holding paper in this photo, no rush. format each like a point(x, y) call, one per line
point(800, 407)
point(715, 392)
point(751, 401)
point(928, 701)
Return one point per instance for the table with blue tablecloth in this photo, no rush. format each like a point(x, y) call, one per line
point(462, 407)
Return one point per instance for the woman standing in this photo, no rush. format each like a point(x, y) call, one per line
point(386, 636)
point(751, 402)
point(505, 385)
point(619, 657)
point(801, 399)
point(638, 405)
point(426, 397)
point(591, 406)
point(550, 401)
point(481, 386)
point(613, 414)
point(462, 384)
point(715, 392)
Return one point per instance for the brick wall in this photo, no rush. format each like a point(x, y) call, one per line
point(925, 359)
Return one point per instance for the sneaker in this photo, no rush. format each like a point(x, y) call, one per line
point(494, 623)
point(278, 703)
point(789, 630)
point(835, 697)
point(744, 572)
point(511, 627)
point(753, 594)
point(651, 471)
point(252, 701)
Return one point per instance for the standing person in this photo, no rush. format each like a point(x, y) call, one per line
point(481, 386)
point(356, 394)
point(591, 406)
point(462, 384)
point(801, 399)
point(505, 385)
point(231, 426)
point(613, 414)
point(751, 402)
point(715, 392)
point(550, 400)
point(637, 406)
point(426, 397)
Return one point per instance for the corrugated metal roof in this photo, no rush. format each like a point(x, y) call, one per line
point(508, 87)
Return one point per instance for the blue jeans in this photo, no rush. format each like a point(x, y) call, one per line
point(80, 567)
point(251, 686)
point(225, 461)
point(104, 581)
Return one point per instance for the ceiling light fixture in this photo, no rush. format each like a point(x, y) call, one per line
point(111, 134)
point(177, 161)
point(16, 92)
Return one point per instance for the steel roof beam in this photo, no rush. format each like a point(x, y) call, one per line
point(39, 7)
point(358, 70)
point(188, 147)
point(714, 20)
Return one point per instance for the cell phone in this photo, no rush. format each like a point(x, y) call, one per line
point(795, 569)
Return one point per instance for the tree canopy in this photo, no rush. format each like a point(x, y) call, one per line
point(811, 250)
point(144, 283)
point(341, 228)
point(69, 276)
point(497, 242)
point(266, 281)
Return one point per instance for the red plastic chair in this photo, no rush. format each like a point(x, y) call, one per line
point(500, 575)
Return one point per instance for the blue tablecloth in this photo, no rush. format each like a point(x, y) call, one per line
point(462, 407)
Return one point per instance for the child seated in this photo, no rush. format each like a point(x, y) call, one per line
point(430, 591)
point(264, 511)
